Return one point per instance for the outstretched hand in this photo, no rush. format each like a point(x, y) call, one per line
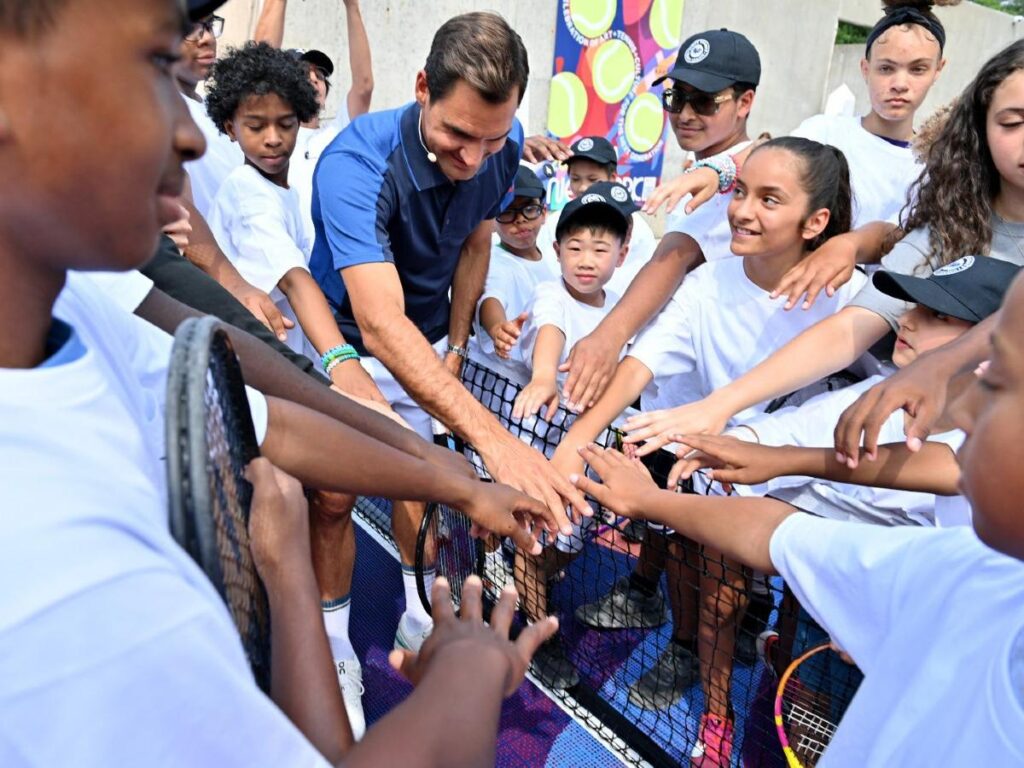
point(826, 269)
point(656, 429)
point(278, 520)
point(590, 367)
point(500, 509)
point(625, 484)
point(506, 334)
point(728, 460)
point(539, 148)
point(467, 634)
point(701, 184)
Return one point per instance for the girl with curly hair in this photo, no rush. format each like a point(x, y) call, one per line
point(968, 202)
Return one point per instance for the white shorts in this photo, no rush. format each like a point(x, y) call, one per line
point(400, 400)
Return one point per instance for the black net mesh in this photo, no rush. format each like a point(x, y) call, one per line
point(655, 630)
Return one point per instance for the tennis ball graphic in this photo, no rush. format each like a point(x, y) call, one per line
point(592, 18)
point(567, 104)
point(613, 71)
point(644, 123)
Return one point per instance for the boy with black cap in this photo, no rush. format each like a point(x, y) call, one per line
point(519, 262)
point(594, 160)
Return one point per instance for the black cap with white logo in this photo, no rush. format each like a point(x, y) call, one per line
point(318, 59)
point(595, 148)
point(617, 193)
point(527, 184)
point(200, 9)
point(607, 198)
point(971, 288)
point(712, 61)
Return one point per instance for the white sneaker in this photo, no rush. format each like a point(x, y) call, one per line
point(497, 573)
point(406, 639)
point(350, 678)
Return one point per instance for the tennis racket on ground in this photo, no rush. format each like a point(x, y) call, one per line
point(810, 700)
point(210, 440)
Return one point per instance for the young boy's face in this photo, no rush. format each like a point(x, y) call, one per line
point(318, 79)
point(266, 128)
point(198, 54)
point(588, 260)
point(922, 330)
point(706, 135)
point(991, 412)
point(95, 186)
point(521, 232)
point(583, 173)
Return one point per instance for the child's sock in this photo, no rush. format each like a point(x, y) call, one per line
point(416, 616)
point(336, 613)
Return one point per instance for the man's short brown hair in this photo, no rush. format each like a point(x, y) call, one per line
point(484, 51)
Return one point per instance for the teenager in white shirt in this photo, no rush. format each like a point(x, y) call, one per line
point(792, 195)
point(594, 160)
point(931, 617)
point(517, 266)
point(953, 216)
point(591, 245)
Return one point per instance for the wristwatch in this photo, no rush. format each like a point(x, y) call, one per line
point(460, 351)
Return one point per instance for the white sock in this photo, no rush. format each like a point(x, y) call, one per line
point(336, 613)
point(417, 617)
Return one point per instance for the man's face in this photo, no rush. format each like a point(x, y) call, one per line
point(318, 79)
point(199, 51)
point(463, 129)
point(94, 186)
point(706, 135)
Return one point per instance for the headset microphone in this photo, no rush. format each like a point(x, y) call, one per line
point(419, 127)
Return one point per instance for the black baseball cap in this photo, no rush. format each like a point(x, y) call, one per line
point(527, 184)
point(714, 60)
point(318, 59)
point(591, 198)
point(619, 195)
point(200, 9)
point(595, 148)
point(970, 288)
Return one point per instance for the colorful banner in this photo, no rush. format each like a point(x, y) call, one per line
point(607, 54)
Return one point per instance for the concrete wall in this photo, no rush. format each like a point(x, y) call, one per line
point(795, 38)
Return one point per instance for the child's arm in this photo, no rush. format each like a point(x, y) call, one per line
point(360, 63)
point(543, 387)
point(824, 348)
point(932, 470)
point(629, 381)
point(270, 24)
point(739, 528)
point(318, 323)
point(503, 332)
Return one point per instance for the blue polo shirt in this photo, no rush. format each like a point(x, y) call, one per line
point(377, 198)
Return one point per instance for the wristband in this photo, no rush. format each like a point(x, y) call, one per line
point(460, 351)
point(724, 166)
point(336, 355)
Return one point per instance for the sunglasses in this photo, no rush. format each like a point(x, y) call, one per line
point(528, 212)
point(214, 25)
point(674, 100)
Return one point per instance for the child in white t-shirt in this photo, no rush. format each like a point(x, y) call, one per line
point(594, 160)
point(590, 246)
point(258, 96)
point(931, 617)
point(792, 195)
point(517, 266)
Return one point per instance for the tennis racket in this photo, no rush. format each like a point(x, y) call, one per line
point(810, 699)
point(210, 440)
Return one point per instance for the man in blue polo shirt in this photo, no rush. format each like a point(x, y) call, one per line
point(403, 204)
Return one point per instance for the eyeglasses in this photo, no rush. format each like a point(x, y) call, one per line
point(674, 100)
point(528, 212)
point(214, 25)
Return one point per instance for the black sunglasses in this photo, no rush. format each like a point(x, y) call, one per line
point(528, 212)
point(674, 100)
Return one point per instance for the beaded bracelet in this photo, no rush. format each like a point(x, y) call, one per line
point(724, 166)
point(336, 355)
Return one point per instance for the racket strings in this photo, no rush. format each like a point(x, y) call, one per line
point(231, 495)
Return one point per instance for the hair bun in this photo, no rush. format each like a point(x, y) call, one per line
point(924, 6)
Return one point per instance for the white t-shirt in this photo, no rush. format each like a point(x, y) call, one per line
point(511, 281)
point(932, 618)
point(222, 156)
point(552, 305)
point(126, 289)
point(260, 228)
point(114, 647)
point(716, 327)
point(709, 224)
point(642, 244)
point(880, 172)
point(810, 425)
point(309, 145)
